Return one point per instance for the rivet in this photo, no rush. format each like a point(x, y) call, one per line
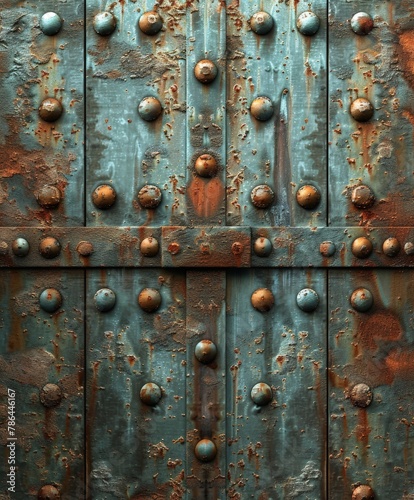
point(150, 23)
point(149, 196)
point(205, 71)
point(262, 247)
point(150, 394)
point(149, 247)
point(363, 492)
point(237, 248)
point(205, 248)
point(48, 492)
point(361, 395)
point(104, 23)
point(85, 248)
point(362, 23)
point(391, 247)
point(362, 247)
point(49, 247)
point(307, 300)
point(50, 23)
point(262, 299)
point(261, 394)
point(4, 248)
point(261, 23)
point(308, 197)
point(48, 196)
point(308, 23)
point(205, 450)
point(50, 300)
point(50, 109)
point(363, 197)
point(361, 299)
point(262, 108)
point(50, 395)
point(327, 248)
point(104, 196)
point(105, 299)
point(149, 299)
point(205, 166)
point(409, 248)
point(149, 109)
point(20, 247)
point(205, 351)
point(262, 196)
point(361, 109)
point(174, 248)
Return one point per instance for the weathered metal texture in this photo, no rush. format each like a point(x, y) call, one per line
point(42, 345)
point(37, 156)
point(377, 153)
point(276, 450)
point(371, 443)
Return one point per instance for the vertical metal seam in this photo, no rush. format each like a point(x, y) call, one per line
point(85, 372)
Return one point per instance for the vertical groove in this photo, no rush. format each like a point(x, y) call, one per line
point(85, 385)
point(327, 271)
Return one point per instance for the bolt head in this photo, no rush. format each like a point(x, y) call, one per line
point(84, 248)
point(307, 300)
point(361, 395)
point(50, 395)
point(363, 197)
point(48, 492)
point(205, 71)
point(104, 23)
point(205, 351)
point(361, 109)
point(363, 492)
point(149, 247)
point(262, 299)
point(237, 248)
point(50, 109)
point(20, 247)
point(262, 108)
point(48, 196)
point(149, 109)
point(149, 299)
point(149, 196)
point(327, 248)
point(51, 23)
point(49, 247)
point(105, 299)
point(261, 23)
point(308, 197)
point(205, 450)
point(50, 300)
point(391, 247)
point(262, 247)
point(362, 23)
point(150, 394)
point(150, 23)
point(206, 166)
point(174, 248)
point(308, 23)
point(261, 394)
point(362, 300)
point(262, 196)
point(104, 196)
point(362, 247)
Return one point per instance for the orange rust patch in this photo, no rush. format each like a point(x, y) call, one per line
point(382, 326)
point(206, 196)
point(400, 363)
point(406, 50)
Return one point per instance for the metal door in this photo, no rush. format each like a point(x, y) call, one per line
point(206, 240)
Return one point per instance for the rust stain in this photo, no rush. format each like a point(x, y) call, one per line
point(206, 196)
point(382, 326)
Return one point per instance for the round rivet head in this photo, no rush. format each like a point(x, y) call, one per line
point(262, 196)
point(363, 197)
point(4, 248)
point(307, 300)
point(361, 395)
point(308, 197)
point(20, 247)
point(361, 299)
point(149, 247)
point(205, 351)
point(327, 248)
point(361, 109)
point(85, 248)
point(149, 196)
point(149, 109)
point(261, 23)
point(362, 23)
point(50, 23)
point(150, 23)
point(391, 247)
point(362, 247)
point(48, 196)
point(262, 108)
point(50, 110)
point(104, 196)
point(49, 247)
point(150, 394)
point(48, 492)
point(205, 450)
point(262, 247)
point(104, 23)
point(50, 395)
point(206, 166)
point(205, 71)
point(50, 300)
point(363, 492)
point(149, 299)
point(308, 23)
point(261, 394)
point(105, 299)
point(409, 248)
point(262, 299)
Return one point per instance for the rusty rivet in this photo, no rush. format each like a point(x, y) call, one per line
point(262, 299)
point(363, 492)
point(261, 23)
point(409, 248)
point(391, 247)
point(104, 23)
point(205, 71)
point(149, 299)
point(48, 492)
point(149, 109)
point(49, 247)
point(361, 299)
point(149, 196)
point(262, 196)
point(327, 248)
point(362, 247)
point(149, 247)
point(105, 299)
point(174, 248)
point(362, 197)
point(48, 196)
point(362, 23)
point(20, 247)
point(4, 248)
point(205, 450)
point(150, 22)
point(261, 394)
point(206, 166)
point(262, 247)
point(308, 197)
point(50, 395)
point(205, 351)
point(361, 395)
point(262, 108)
point(50, 300)
point(50, 23)
point(205, 248)
point(150, 394)
point(50, 109)
point(308, 23)
point(104, 196)
point(237, 248)
point(361, 109)
point(85, 248)
point(307, 300)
